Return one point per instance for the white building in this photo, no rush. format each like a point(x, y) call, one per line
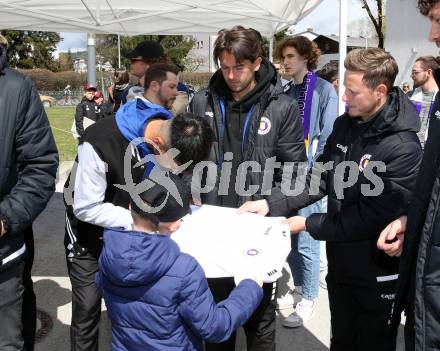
point(407, 36)
point(202, 52)
point(80, 65)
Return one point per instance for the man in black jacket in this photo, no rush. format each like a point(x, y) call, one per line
point(369, 166)
point(418, 231)
point(28, 166)
point(87, 108)
point(254, 123)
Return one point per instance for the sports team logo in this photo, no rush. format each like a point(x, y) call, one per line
point(364, 162)
point(265, 126)
point(252, 252)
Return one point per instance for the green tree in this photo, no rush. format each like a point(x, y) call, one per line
point(66, 61)
point(32, 49)
point(277, 38)
point(107, 47)
point(69, 61)
point(175, 46)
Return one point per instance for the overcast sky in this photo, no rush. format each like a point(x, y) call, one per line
point(324, 20)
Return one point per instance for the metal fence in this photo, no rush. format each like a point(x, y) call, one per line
point(51, 98)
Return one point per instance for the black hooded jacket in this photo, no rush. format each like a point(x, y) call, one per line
point(419, 274)
point(263, 124)
point(353, 222)
point(28, 160)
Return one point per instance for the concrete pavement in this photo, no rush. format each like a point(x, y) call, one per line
point(53, 290)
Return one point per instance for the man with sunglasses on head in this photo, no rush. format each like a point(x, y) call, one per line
point(142, 57)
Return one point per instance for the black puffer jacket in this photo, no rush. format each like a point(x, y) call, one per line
point(28, 158)
point(419, 275)
point(353, 223)
point(274, 129)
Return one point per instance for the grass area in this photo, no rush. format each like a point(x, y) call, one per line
point(61, 119)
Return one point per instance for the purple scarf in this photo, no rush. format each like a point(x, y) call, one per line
point(418, 106)
point(305, 102)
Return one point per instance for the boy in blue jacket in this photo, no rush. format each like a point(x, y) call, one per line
point(157, 297)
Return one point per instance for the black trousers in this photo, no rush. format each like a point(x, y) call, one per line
point(11, 299)
point(361, 316)
point(86, 301)
point(409, 331)
point(29, 315)
point(259, 329)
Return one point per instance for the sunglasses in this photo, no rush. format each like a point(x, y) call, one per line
point(134, 60)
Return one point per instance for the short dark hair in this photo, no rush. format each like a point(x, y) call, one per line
point(159, 204)
point(242, 43)
point(426, 5)
point(429, 62)
point(305, 47)
point(158, 73)
point(329, 72)
point(192, 136)
point(121, 76)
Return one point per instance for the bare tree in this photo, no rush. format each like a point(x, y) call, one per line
point(378, 23)
point(361, 27)
point(193, 62)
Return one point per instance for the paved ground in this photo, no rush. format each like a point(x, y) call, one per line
point(52, 287)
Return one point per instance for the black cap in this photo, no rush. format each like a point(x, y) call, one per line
point(147, 49)
point(165, 202)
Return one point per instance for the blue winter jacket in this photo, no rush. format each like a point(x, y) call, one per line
point(158, 299)
point(323, 115)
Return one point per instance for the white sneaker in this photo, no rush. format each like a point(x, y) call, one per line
point(289, 300)
point(304, 311)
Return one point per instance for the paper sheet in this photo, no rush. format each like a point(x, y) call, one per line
point(228, 244)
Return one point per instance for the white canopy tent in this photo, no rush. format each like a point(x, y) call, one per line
point(134, 17)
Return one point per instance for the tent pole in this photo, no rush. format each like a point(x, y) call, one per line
point(271, 47)
point(119, 51)
point(91, 59)
point(209, 54)
point(343, 4)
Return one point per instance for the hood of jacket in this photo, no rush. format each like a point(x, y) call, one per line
point(268, 83)
point(133, 258)
point(132, 118)
point(3, 58)
point(397, 115)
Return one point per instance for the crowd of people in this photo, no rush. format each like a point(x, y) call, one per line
point(363, 226)
point(92, 107)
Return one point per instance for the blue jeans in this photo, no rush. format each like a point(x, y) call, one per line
point(304, 258)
